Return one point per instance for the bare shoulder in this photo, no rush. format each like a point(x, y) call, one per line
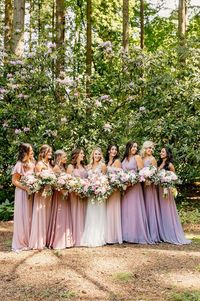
point(117, 163)
point(171, 167)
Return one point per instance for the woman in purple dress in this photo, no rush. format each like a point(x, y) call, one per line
point(171, 230)
point(150, 193)
point(60, 229)
point(134, 220)
point(23, 203)
point(113, 207)
point(78, 206)
point(42, 204)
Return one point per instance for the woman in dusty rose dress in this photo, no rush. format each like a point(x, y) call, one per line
point(134, 220)
point(42, 204)
point(60, 229)
point(113, 206)
point(171, 230)
point(78, 205)
point(23, 202)
point(150, 193)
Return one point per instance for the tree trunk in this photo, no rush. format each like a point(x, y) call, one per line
point(89, 39)
point(8, 25)
point(125, 42)
point(182, 19)
point(141, 24)
point(60, 34)
point(18, 27)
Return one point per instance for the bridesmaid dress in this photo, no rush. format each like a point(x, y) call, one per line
point(22, 210)
point(78, 210)
point(41, 218)
point(152, 208)
point(134, 220)
point(95, 222)
point(113, 214)
point(171, 230)
point(60, 228)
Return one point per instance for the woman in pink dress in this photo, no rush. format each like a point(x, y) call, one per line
point(150, 193)
point(134, 220)
point(42, 204)
point(60, 229)
point(78, 205)
point(23, 202)
point(113, 207)
point(171, 230)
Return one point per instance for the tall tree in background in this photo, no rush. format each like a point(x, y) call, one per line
point(182, 19)
point(142, 24)
point(18, 27)
point(89, 42)
point(125, 42)
point(8, 25)
point(60, 34)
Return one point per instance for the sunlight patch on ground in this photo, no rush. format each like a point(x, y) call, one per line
point(183, 279)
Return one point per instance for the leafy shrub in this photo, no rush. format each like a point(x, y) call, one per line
point(6, 211)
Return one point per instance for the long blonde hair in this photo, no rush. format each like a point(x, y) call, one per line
point(145, 145)
point(92, 156)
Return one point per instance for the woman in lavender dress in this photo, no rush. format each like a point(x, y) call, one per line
point(95, 222)
point(23, 203)
point(171, 230)
point(150, 193)
point(42, 204)
point(60, 229)
point(113, 206)
point(134, 220)
point(78, 205)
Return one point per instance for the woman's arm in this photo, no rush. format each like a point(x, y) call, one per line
point(139, 162)
point(103, 168)
point(16, 181)
point(70, 169)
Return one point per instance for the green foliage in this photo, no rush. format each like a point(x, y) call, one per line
point(6, 211)
point(189, 213)
point(138, 97)
point(186, 296)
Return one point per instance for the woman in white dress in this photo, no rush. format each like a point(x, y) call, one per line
point(95, 223)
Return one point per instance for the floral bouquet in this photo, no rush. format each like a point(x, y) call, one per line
point(98, 188)
point(117, 179)
point(148, 174)
point(31, 182)
point(47, 180)
point(168, 180)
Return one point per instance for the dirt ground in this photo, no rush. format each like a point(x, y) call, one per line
point(115, 272)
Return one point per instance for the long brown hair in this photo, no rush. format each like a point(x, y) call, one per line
point(44, 149)
point(24, 149)
point(74, 156)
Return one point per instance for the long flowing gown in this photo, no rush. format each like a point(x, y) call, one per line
point(22, 211)
point(78, 210)
point(152, 208)
point(134, 220)
point(95, 222)
point(40, 221)
point(113, 215)
point(60, 229)
point(171, 230)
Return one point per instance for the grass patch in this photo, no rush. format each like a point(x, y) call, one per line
point(57, 254)
point(186, 296)
point(195, 238)
point(67, 294)
point(123, 276)
point(8, 242)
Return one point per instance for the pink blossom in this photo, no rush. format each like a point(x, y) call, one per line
point(26, 129)
point(107, 127)
point(17, 131)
